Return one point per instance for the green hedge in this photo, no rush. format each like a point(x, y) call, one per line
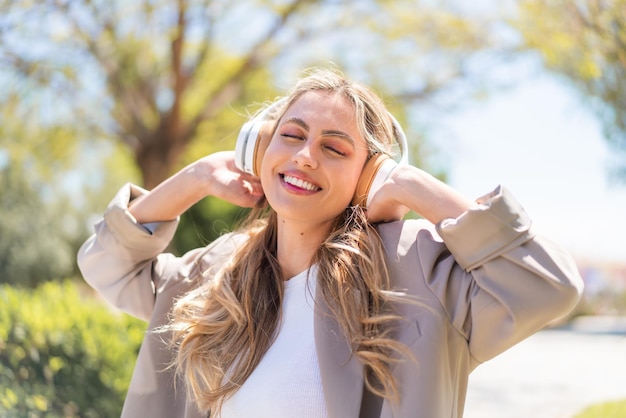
point(63, 354)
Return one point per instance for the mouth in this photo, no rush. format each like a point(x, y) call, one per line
point(299, 183)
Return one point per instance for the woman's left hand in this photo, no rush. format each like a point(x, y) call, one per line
point(384, 206)
point(410, 188)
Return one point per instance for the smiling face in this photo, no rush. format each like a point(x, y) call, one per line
point(313, 162)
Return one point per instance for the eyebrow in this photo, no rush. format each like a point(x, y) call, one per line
point(327, 132)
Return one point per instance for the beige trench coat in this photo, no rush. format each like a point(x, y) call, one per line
point(485, 281)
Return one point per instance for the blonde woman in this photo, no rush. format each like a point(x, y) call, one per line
point(318, 307)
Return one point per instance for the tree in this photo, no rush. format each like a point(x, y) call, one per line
point(171, 80)
point(39, 231)
point(152, 73)
point(40, 228)
point(585, 42)
point(33, 245)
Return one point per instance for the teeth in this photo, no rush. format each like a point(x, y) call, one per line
point(300, 183)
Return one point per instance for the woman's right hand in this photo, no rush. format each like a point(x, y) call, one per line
point(213, 175)
point(225, 181)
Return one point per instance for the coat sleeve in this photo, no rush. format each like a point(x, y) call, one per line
point(502, 282)
point(123, 260)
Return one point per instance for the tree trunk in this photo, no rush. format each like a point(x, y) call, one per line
point(157, 159)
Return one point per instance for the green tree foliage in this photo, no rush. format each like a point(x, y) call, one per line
point(40, 226)
point(585, 41)
point(615, 409)
point(62, 355)
point(160, 70)
point(173, 80)
point(33, 245)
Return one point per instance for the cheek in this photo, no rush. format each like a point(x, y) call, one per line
point(348, 180)
point(265, 175)
point(276, 156)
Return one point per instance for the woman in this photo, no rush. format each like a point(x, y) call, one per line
point(316, 308)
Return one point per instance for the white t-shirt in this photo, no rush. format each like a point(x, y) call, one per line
point(287, 382)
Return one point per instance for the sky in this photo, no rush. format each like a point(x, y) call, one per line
point(543, 144)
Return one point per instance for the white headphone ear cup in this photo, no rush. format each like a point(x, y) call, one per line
point(244, 148)
point(247, 142)
point(252, 142)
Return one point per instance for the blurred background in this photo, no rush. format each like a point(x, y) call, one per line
point(530, 94)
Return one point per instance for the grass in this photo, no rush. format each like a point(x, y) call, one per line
point(616, 409)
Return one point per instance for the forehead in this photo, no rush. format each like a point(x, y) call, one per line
point(327, 108)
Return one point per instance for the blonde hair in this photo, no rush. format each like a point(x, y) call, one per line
point(222, 329)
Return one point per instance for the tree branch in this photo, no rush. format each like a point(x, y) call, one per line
point(231, 87)
point(180, 81)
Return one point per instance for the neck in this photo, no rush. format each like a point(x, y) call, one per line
point(297, 243)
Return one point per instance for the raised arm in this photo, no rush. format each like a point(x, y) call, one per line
point(214, 175)
point(123, 259)
point(420, 192)
point(496, 279)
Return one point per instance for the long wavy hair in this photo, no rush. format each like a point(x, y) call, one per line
point(222, 329)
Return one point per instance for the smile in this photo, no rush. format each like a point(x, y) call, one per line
point(302, 184)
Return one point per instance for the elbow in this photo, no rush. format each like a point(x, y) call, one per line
point(570, 283)
point(569, 296)
point(557, 269)
point(95, 265)
point(84, 258)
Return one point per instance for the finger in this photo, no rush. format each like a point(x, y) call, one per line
point(255, 188)
point(249, 200)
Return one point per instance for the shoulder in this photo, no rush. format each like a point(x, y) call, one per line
point(206, 262)
point(400, 236)
point(416, 255)
point(412, 248)
point(416, 260)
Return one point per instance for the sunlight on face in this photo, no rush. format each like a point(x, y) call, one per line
point(311, 167)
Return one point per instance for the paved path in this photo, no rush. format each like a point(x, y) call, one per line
point(553, 374)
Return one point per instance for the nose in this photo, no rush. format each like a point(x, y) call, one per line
point(304, 156)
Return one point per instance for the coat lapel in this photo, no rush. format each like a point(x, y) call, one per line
point(341, 372)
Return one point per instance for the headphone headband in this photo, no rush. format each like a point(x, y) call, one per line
point(400, 139)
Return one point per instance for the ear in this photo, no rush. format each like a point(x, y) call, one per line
point(376, 170)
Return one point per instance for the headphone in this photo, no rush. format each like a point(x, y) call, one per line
point(256, 134)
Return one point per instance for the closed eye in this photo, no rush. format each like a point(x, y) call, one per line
point(291, 136)
point(336, 151)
